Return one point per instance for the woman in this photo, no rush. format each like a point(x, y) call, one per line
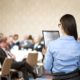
point(63, 54)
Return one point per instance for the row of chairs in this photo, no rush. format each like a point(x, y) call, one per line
point(6, 67)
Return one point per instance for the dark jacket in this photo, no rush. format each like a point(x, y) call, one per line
point(2, 56)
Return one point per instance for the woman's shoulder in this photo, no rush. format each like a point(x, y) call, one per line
point(54, 43)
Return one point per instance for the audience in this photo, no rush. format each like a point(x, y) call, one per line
point(21, 66)
point(12, 44)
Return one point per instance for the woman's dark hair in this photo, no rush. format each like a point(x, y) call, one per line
point(69, 25)
point(30, 37)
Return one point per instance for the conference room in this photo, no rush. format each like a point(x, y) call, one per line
point(39, 40)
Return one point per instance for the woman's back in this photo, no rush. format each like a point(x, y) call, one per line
point(63, 55)
point(66, 53)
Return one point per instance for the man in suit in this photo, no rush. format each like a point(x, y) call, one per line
point(21, 66)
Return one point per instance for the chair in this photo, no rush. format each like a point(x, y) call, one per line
point(32, 59)
point(5, 71)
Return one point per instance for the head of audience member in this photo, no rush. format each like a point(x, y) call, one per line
point(10, 39)
point(68, 26)
point(37, 39)
point(30, 38)
point(26, 37)
point(15, 37)
point(3, 43)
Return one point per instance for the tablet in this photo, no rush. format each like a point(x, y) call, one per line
point(50, 36)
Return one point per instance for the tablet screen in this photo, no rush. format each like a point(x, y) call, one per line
point(49, 36)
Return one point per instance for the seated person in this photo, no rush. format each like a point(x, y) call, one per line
point(21, 66)
point(38, 43)
point(63, 55)
point(27, 42)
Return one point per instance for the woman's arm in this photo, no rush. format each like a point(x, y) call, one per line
point(48, 60)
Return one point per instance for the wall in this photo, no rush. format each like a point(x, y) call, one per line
point(32, 16)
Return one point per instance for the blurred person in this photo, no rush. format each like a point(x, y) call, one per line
point(27, 42)
point(16, 41)
point(24, 40)
point(16, 38)
point(63, 55)
point(30, 40)
point(10, 41)
point(38, 43)
point(21, 66)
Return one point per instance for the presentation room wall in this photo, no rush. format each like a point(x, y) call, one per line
point(33, 16)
